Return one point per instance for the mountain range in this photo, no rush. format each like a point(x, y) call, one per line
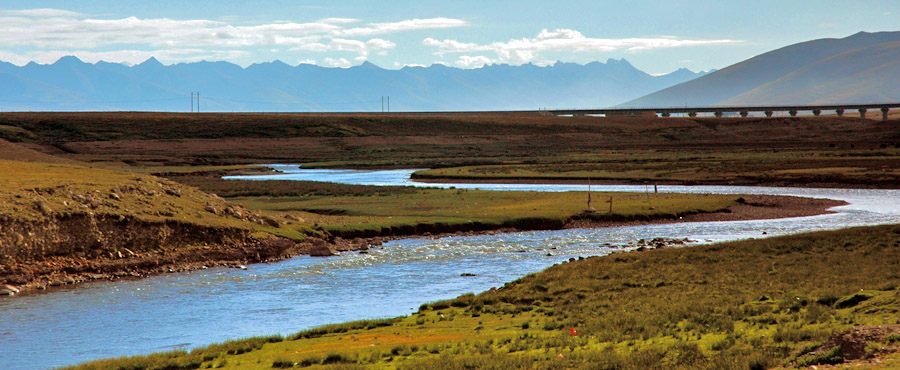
point(70, 84)
point(862, 68)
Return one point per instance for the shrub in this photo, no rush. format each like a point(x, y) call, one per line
point(282, 364)
point(892, 338)
point(442, 305)
point(853, 300)
point(829, 357)
point(309, 361)
point(336, 358)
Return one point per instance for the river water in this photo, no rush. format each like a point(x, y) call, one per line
point(187, 310)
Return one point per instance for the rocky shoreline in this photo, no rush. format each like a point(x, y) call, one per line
point(53, 272)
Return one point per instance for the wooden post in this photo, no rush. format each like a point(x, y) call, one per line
point(589, 208)
point(610, 204)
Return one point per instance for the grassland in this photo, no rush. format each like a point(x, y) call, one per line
point(754, 304)
point(67, 221)
point(809, 151)
point(801, 167)
point(365, 211)
point(743, 305)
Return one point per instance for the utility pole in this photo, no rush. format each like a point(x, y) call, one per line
point(389, 103)
point(198, 102)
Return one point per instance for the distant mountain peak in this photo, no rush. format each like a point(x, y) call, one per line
point(618, 61)
point(368, 65)
point(152, 61)
point(69, 60)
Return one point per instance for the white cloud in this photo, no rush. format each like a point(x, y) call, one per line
point(338, 63)
point(406, 25)
point(455, 46)
point(53, 31)
point(340, 20)
point(379, 44)
point(518, 51)
point(308, 61)
point(157, 32)
point(469, 62)
point(346, 45)
point(403, 65)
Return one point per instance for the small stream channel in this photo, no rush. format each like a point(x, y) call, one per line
point(187, 310)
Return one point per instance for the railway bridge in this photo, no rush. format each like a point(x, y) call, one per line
point(744, 111)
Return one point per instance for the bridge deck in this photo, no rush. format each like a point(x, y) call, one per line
point(744, 110)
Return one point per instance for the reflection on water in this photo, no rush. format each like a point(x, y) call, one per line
point(186, 310)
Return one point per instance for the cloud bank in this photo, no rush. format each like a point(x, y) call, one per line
point(45, 35)
point(39, 34)
point(527, 50)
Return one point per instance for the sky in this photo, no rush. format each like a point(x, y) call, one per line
point(655, 36)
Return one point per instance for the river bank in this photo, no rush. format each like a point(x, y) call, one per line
point(818, 181)
point(53, 272)
point(744, 304)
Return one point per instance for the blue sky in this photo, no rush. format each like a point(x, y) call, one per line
point(655, 36)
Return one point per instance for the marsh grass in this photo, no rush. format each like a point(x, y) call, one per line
point(408, 211)
point(357, 210)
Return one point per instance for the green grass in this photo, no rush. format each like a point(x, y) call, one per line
point(354, 210)
point(284, 188)
point(742, 305)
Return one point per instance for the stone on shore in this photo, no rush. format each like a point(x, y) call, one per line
point(318, 248)
point(321, 251)
point(7, 289)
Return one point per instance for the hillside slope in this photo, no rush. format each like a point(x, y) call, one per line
point(864, 75)
point(825, 70)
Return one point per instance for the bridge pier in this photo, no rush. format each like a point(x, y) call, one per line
point(884, 113)
point(840, 112)
point(665, 114)
point(718, 113)
point(745, 113)
point(793, 112)
point(816, 112)
point(692, 114)
point(862, 112)
point(769, 113)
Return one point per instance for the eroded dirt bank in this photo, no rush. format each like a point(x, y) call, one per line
point(81, 248)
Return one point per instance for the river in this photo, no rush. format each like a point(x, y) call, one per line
point(187, 310)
